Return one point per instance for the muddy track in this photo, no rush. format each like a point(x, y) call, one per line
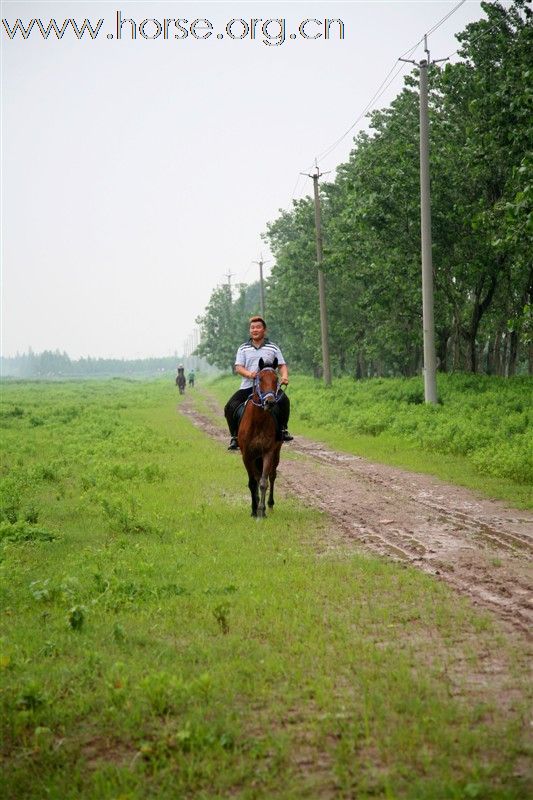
point(480, 547)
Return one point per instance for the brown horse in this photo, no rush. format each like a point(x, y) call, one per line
point(181, 381)
point(257, 437)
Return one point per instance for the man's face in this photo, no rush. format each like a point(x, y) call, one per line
point(257, 331)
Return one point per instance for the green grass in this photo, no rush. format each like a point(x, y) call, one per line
point(159, 643)
point(479, 436)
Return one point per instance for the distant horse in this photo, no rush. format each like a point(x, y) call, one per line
point(181, 382)
point(257, 437)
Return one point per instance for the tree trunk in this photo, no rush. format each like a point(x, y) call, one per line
point(456, 343)
point(487, 352)
point(495, 357)
point(342, 362)
point(513, 353)
point(503, 354)
point(358, 367)
point(480, 306)
point(442, 350)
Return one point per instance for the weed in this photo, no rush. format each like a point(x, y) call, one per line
point(10, 499)
point(14, 412)
point(122, 517)
point(64, 591)
point(164, 692)
point(24, 531)
point(76, 617)
point(30, 698)
point(221, 614)
point(42, 591)
point(31, 515)
point(119, 634)
point(49, 649)
point(43, 737)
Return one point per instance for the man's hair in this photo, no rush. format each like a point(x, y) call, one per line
point(257, 319)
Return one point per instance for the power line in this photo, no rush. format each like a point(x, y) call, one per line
point(386, 82)
point(443, 20)
point(391, 76)
point(295, 186)
point(379, 91)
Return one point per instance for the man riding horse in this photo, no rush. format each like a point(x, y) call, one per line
point(180, 379)
point(246, 364)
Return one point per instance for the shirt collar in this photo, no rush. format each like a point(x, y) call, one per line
point(265, 341)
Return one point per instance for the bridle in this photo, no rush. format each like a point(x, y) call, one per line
point(263, 396)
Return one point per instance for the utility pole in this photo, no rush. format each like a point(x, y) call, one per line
point(321, 279)
point(428, 322)
point(261, 283)
point(229, 276)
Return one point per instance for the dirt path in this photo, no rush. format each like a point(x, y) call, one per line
point(478, 546)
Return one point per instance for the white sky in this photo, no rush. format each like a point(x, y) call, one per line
point(136, 174)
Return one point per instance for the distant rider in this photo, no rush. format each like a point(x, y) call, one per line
point(247, 365)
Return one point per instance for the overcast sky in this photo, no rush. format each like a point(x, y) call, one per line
point(137, 173)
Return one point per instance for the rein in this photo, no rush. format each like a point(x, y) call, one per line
point(263, 396)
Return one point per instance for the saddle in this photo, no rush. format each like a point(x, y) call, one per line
point(274, 411)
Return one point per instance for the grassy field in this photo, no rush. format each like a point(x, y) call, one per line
point(158, 643)
point(480, 435)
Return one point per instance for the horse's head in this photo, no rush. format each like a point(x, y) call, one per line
point(266, 384)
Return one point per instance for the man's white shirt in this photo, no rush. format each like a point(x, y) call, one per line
point(248, 357)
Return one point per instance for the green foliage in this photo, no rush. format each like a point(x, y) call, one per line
point(482, 228)
point(487, 420)
point(24, 531)
point(224, 324)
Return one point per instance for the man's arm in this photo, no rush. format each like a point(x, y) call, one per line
point(246, 373)
point(284, 374)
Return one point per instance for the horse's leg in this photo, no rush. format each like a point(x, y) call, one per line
point(252, 485)
point(263, 483)
point(273, 473)
point(252, 482)
point(271, 493)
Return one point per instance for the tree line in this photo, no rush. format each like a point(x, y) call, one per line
point(57, 364)
point(481, 161)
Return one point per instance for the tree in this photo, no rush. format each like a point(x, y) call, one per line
point(224, 325)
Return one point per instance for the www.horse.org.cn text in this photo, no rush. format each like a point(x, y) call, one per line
point(271, 32)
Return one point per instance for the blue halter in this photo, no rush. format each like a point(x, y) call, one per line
point(263, 396)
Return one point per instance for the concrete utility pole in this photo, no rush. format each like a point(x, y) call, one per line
point(428, 323)
point(321, 279)
point(229, 276)
point(261, 283)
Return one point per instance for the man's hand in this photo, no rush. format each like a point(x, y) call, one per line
point(244, 373)
point(284, 375)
